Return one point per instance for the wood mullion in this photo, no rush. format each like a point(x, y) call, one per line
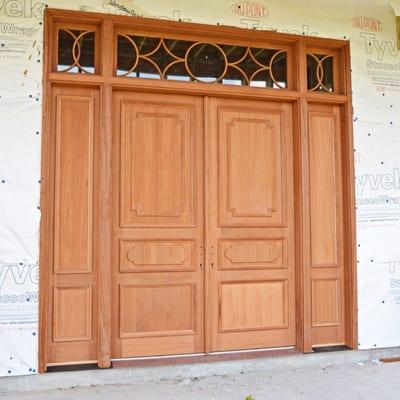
point(349, 217)
point(105, 191)
point(45, 202)
point(304, 227)
point(208, 234)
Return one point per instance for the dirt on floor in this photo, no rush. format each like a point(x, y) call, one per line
point(357, 381)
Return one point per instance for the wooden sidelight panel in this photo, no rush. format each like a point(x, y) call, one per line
point(250, 225)
point(158, 266)
point(326, 208)
point(72, 305)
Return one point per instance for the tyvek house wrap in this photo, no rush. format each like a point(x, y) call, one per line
point(370, 25)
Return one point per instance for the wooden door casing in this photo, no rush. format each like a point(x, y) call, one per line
point(93, 281)
point(250, 225)
point(158, 228)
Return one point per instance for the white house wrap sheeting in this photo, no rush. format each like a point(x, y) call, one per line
point(369, 24)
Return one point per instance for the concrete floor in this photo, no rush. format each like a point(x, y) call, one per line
point(355, 381)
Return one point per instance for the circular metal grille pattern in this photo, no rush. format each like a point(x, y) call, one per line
point(320, 72)
point(173, 59)
point(76, 51)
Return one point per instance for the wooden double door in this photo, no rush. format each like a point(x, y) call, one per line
point(203, 225)
point(209, 209)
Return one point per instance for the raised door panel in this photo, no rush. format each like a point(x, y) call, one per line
point(323, 188)
point(253, 306)
point(157, 310)
point(252, 254)
point(251, 166)
point(326, 212)
point(73, 313)
point(74, 132)
point(157, 255)
point(156, 165)
point(326, 299)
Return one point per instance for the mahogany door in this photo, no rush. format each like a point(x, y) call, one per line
point(158, 229)
point(250, 224)
point(178, 237)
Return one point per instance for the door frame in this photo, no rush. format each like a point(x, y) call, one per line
point(297, 94)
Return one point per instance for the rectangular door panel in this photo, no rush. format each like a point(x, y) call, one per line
point(250, 167)
point(156, 310)
point(239, 300)
point(158, 275)
point(74, 136)
point(72, 313)
point(250, 225)
point(157, 149)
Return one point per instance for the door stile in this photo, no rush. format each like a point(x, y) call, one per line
point(211, 214)
point(208, 170)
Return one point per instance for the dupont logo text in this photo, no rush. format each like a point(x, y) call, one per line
point(248, 9)
point(369, 24)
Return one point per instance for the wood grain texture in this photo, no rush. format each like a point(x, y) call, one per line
point(349, 207)
point(72, 305)
point(250, 307)
point(46, 195)
point(327, 256)
point(73, 223)
point(325, 188)
point(158, 284)
point(105, 204)
point(201, 230)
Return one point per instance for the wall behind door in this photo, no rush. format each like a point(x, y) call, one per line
point(376, 83)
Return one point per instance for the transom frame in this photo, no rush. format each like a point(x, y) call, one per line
point(307, 64)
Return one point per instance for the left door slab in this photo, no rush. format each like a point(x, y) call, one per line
point(158, 225)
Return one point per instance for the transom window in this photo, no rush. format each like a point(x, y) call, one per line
point(270, 65)
point(76, 51)
point(320, 72)
point(181, 60)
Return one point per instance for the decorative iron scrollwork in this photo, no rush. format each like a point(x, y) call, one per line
point(76, 51)
point(320, 72)
point(171, 59)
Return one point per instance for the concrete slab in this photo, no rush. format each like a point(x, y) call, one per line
point(350, 369)
point(355, 381)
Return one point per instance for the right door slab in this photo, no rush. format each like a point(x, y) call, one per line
point(250, 225)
